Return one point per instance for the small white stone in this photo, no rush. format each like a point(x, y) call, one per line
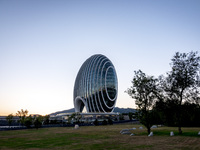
point(171, 133)
point(132, 134)
point(151, 134)
point(76, 126)
point(154, 126)
point(124, 130)
point(199, 133)
point(140, 127)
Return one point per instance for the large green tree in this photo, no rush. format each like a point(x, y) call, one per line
point(183, 81)
point(144, 91)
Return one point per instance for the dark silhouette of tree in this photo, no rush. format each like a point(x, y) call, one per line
point(28, 121)
point(96, 122)
point(121, 117)
point(130, 115)
point(110, 122)
point(22, 115)
point(46, 119)
point(75, 117)
point(191, 113)
point(166, 112)
point(144, 91)
point(104, 122)
point(183, 82)
point(9, 118)
point(37, 122)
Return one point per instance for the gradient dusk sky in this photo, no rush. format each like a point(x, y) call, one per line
point(43, 44)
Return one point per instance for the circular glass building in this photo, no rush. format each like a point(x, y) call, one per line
point(95, 88)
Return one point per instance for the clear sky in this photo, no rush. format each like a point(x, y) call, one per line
point(43, 44)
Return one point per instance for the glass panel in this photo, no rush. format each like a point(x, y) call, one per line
point(111, 83)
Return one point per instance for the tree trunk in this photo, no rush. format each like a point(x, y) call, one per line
point(180, 114)
point(179, 130)
point(148, 130)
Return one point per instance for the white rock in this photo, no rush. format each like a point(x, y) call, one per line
point(171, 133)
point(132, 134)
point(132, 129)
point(124, 130)
point(76, 126)
point(154, 126)
point(199, 133)
point(140, 127)
point(151, 134)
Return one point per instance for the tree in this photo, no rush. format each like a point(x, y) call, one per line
point(37, 122)
point(110, 122)
point(96, 122)
point(183, 81)
point(46, 119)
point(121, 117)
point(130, 115)
point(104, 122)
point(28, 121)
point(9, 118)
point(191, 113)
point(22, 115)
point(144, 91)
point(75, 117)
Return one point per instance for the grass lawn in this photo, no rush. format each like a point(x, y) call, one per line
point(99, 137)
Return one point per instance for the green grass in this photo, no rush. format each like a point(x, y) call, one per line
point(165, 131)
point(99, 137)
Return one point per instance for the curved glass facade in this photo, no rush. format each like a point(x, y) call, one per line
point(95, 88)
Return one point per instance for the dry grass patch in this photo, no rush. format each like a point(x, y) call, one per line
point(99, 137)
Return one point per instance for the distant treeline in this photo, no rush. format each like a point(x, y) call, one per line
point(166, 113)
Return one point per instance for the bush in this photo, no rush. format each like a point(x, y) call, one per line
point(121, 117)
point(28, 123)
point(37, 123)
point(96, 122)
point(53, 121)
point(104, 122)
point(110, 122)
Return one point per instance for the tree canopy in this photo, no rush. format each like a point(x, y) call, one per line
point(183, 82)
point(143, 90)
point(9, 118)
point(177, 91)
point(22, 115)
